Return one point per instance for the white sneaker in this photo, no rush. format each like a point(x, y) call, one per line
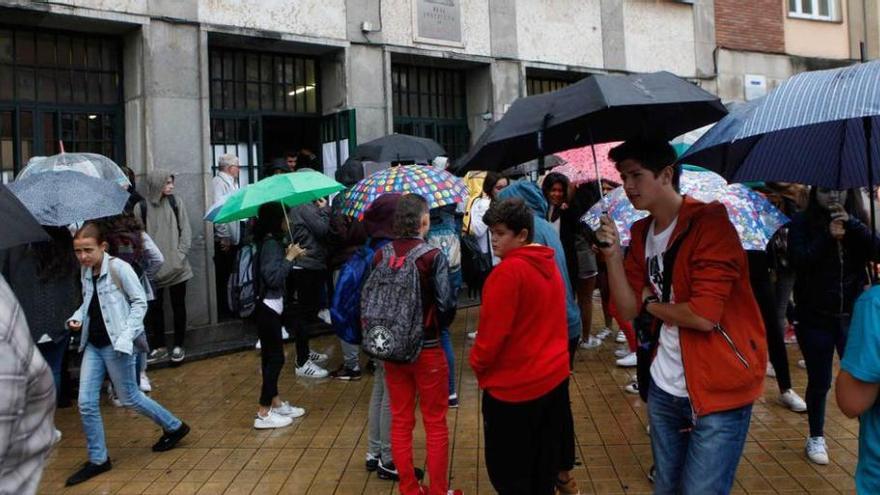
point(288, 411)
point(771, 371)
point(324, 315)
point(284, 334)
point(317, 357)
point(621, 337)
point(628, 361)
point(311, 370)
point(632, 388)
point(270, 421)
point(472, 335)
point(802, 364)
point(622, 352)
point(793, 401)
point(258, 346)
point(591, 343)
point(604, 333)
point(114, 399)
point(816, 450)
point(145, 385)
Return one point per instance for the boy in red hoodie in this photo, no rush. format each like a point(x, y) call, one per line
point(520, 356)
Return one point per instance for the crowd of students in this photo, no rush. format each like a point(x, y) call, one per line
point(697, 315)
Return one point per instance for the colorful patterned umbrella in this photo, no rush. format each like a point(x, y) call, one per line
point(438, 187)
point(755, 218)
point(579, 166)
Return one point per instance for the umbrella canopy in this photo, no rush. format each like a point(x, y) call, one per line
point(598, 109)
point(290, 189)
point(62, 198)
point(438, 187)
point(92, 164)
point(579, 167)
point(551, 161)
point(755, 218)
point(811, 130)
point(20, 227)
point(398, 148)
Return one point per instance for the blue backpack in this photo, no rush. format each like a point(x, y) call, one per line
point(345, 310)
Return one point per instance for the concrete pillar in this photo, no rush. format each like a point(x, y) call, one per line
point(480, 102)
point(613, 34)
point(704, 38)
point(508, 84)
point(175, 127)
point(368, 87)
point(502, 25)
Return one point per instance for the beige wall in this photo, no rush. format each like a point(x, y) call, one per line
point(821, 39)
point(397, 27)
point(660, 36)
point(565, 32)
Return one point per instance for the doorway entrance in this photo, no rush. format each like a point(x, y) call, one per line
point(283, 134)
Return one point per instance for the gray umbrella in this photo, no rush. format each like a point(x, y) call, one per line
point(63, 198)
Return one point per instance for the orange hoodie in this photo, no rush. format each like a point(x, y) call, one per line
point(521, 351)
point(724, 368)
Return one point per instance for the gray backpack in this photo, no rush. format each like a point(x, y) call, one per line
point(391, 307)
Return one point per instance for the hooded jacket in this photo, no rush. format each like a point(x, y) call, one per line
point(173, 241)
point(724, 368)
point(523, 304)
point(310, 227)
point(546, 235)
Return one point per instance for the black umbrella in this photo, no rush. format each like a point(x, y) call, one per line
point(19, 226)
point(398, 148)
point(598, 109)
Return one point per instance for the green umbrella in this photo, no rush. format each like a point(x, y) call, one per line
point(289, 189)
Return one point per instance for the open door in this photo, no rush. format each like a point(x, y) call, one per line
point(338, 139)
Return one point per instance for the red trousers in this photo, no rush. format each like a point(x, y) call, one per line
point(427, 379)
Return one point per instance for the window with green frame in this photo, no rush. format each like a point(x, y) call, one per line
point(431, 102)
point(58, 86)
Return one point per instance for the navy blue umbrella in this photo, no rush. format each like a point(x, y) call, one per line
point(819, 128)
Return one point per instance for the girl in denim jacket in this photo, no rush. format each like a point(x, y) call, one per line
point(111, 319)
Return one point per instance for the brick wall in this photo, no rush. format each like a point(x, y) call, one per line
point(751, 25)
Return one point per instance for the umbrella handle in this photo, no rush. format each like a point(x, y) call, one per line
point(601, 244)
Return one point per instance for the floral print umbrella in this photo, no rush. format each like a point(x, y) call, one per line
point(753, 216)
point(438, 187)
point(579, 166)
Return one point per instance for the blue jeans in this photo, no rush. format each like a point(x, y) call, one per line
point(455, 281)
point(96, 363)
point(694, 456)
point(53, 353)
point(819, 336)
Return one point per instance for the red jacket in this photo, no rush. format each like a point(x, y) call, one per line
point(711, 275)
point(521, 351)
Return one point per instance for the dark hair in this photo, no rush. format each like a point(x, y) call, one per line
point(818, 216)
point(551, 180)
point(653, 155)
point(91, 230)
point(514, 214)
point(123, 229)
point(489, 182)
point(130, 174)
point(408, 215)
point(55, 258)
point(269, 218)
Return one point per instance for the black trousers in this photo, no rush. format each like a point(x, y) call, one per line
point(523, 442)
point(224, 264)
point(271, 351)
point(301, 306)
point(156, 316)
point(765, 295)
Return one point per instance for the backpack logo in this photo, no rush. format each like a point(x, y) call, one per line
point(381, 341)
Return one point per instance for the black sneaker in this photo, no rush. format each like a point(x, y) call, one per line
point(371, 366)
point(372, 463)
point(346, 374)
point(170, 439)
point(453, 401)
point(389, 472)
point(87, 472)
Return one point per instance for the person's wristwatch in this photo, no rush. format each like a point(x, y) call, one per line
point(649, 300)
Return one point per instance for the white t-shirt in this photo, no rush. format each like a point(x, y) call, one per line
point(666, 369)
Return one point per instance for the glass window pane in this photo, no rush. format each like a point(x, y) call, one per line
point(94, 53)
point(216, 66)
point(80, 127)
point(228, 95)
point(25, 84)
point(46, 49)
point(94, 87)
point(6, 82)
point(253, 67)
point(79, 86)
point(24, 47)
point(311, 87)
point(50, 142)
point(109, 55)
point(5, 46)
point(825, 8)
point(266, 68)
point(62, 51)
point(64, 89)
point(78, 52)
point(239, 67)
point(66, 127)
point(228, 65)
point(216, 95)
point(95, 131)
point(240, 98)
point(253, 96)
point(266, 99)
point(46, 85)
point(807, 6)
point(26, 121)
point(108, 127)
point(109, 88)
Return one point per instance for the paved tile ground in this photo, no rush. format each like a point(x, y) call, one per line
point(323, 453)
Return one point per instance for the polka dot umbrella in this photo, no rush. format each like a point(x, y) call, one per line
point(438, 187)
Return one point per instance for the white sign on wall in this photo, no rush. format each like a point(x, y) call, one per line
point(437, 22)
point(755, 86)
